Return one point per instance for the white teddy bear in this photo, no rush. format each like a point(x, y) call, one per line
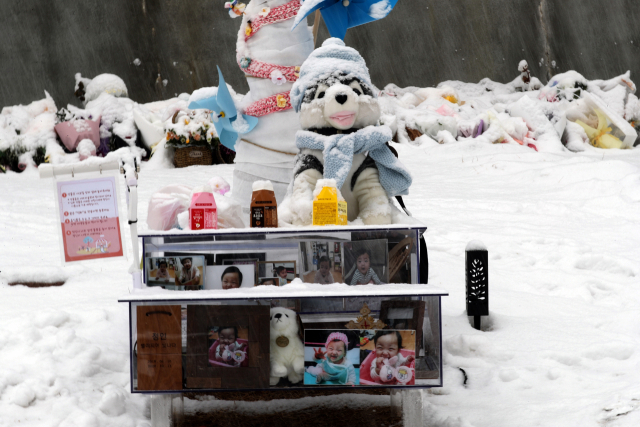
point(287, 351)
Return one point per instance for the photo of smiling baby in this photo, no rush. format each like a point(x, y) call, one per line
point(230, 276)
point(331, 357)
point(388, 357)
point(366, 262)
point(228, 346)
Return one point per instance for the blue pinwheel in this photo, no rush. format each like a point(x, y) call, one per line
point(340, 15)
point(228, 123)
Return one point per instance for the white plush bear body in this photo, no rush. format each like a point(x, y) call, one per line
point(287, 351)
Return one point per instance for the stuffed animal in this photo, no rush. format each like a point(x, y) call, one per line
point(393, 369)
point(233, 355)
point(340, 140)
point(287, 351)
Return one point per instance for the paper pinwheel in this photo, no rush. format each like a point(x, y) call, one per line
point(339, 15)
point(228, 123)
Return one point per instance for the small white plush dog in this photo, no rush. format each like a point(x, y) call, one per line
point(287, 351)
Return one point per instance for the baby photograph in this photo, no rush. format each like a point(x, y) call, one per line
point(366, 262)
point(321, 262)
point(230, 276)
point(282, 272)
point(176, 273)
point(268, 281)
point(228, 346)
point(331, 357)
point(387, 357)
point(161, 271)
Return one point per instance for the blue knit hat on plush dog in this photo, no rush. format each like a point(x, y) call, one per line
point(332, 57)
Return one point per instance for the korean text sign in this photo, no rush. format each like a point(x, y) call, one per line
point(88, 212)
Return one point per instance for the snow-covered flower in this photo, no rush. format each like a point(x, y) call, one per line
point(277, 77)
point(245, 62)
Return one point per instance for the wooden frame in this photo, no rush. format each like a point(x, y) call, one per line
point(266, 267)
point(415, 322)
point(200, 374)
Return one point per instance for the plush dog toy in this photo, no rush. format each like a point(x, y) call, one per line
point(287, 351)
point(339, 112)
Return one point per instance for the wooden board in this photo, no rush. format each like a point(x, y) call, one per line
point(159, 348)
point(159, 372)
point(200, 373)
point(159, 330)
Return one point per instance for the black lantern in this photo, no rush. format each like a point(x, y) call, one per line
point(477, 277)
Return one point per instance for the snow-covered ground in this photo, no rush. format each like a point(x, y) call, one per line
point(560, 346)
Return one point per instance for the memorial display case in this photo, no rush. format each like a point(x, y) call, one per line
point(282, 308)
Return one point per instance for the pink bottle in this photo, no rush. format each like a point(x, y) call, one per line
point(203, 212)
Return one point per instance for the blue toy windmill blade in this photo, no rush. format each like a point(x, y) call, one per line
point(339, 17)
point(228, 138)
point(225, 114)
point(310, 6)
point(205, 104)
point(336, 18)
point(365, 11)
point(224, 98)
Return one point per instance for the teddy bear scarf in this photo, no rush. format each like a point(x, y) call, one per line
point(338, 151)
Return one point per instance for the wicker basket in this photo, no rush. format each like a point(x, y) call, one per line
point(194, 155)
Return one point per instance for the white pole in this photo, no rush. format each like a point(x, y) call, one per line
point(132, 183)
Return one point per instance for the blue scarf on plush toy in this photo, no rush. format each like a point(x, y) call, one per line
point(339, 150)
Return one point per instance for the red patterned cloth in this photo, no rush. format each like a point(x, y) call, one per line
point(277, 14)
point(263, 70)
point(272, 104)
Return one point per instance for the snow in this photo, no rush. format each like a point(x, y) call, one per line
point(475, 245)
point(380, 9)
point(561, 224)
point(562, 231)
point(262, 185)
point(295, 289)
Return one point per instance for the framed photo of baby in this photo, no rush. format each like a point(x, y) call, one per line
point(331, 357)
point(277, 273)
point(176, 272)
point(229, 346)
point(220, 337)
point(387, 357)
point(230, 276)
point(321, 262)
point(366, 262)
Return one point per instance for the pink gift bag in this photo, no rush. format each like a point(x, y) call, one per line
point(74, 131)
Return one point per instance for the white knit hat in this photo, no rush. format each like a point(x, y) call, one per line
point(333, 56)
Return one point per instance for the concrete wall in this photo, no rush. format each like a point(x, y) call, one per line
point(43, 43)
